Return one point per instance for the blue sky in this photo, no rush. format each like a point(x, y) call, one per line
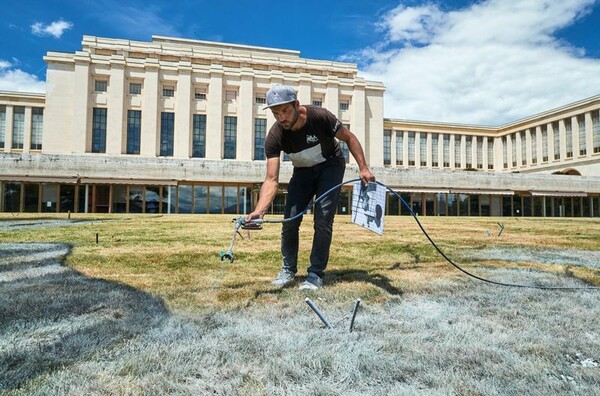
point(476, 62)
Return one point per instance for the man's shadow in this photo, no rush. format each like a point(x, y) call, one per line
point(52, 316)
point(354, 275)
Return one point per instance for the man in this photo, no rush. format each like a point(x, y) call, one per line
point(308, 135)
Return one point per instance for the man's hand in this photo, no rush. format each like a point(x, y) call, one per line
point(366, 176)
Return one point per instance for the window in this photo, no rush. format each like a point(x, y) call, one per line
point(556, 134)
point(490, 150)
point(446, 151)
point(344, 147)
point(317, 102)
point(457, 150)
point(435, 150)
point(569, 137)
point(200, 94)
point(230, 137)
point(18, 127)
point(582, 137)
point(533, 134)
point(100, 85)
point(399, 147)
point(523, 148)
point(199, 136)
point(423, 149)
point(344, 105)
point(167, 128)
point(469, 151)
point(596, 130)
point(37, 124)
point(411, 148)
point(134, 131)
point(2, 125)
point(260, 100)
point(99, 130)
point(479, 143)
point(544, 143)
point(230, 95)
point(135, 88)
point(505, 152)
point(168, 91)
point(260, 132)
point(387, 142)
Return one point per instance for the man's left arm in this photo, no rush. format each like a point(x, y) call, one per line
point(356, 149)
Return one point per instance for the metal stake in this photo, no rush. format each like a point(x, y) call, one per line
point(319, 314)
point(354, 314)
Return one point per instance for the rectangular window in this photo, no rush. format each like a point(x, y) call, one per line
point(37, 125)
point(167, 134)
point(457, 144)
point(99, 130)
point(505, 151)
point(100, 85)
point(411, 148)
point(230, 95)
point(596, 130)
point(544, 143)
point(556, 134)
point(260, 133)
point(260, 100)
point(2, 125)
point(229, 144)
point(399, 148)
point(523, 148)
point(479, 152)
point(387, 143)
point(135, 88)
point(317, 102)
point(200, 94)
point(344, 105)
point(469, 151)
point(569, 137)
point(168, 91)
point(345, 151)
point(423, 149)
point(582, 137)
point(199, 136)
point(134, 131)
point(490, 151)
point(18, 133)
point(533, 135)
point(434, 150)
point(446, 151)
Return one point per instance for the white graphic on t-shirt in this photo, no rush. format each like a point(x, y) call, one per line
point(311, 139)
point(306, 158)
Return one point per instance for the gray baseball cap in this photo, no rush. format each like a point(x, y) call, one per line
point(280, 94)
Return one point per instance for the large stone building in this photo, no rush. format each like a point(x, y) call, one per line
point(178, 126)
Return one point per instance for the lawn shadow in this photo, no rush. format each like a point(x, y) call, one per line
point(49, 320)
point(352, 275)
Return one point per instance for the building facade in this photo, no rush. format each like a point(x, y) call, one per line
point(178, 126)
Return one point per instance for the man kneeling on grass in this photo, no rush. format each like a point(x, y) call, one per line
point(308, 135)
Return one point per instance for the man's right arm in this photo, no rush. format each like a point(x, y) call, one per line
point(268, 190)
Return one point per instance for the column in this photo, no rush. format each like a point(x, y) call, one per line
point(27, 130)
point(183, 112)
point(82, 128)
point(589, 135)
point(358, 124)
point(115, 119)
point(452, 151)
point(150, 116)
point(245, 127)
point(214, 111)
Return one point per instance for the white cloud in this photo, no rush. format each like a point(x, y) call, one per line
point(55, 29)
point(491, 63)
point(13, 79)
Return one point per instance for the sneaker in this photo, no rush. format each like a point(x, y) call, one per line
point(285, 277)
point(312, 282)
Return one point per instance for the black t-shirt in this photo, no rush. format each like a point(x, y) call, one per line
point(313, 144)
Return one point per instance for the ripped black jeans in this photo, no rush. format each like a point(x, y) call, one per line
point(305, 184)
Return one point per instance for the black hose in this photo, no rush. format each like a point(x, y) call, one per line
point(407, 206)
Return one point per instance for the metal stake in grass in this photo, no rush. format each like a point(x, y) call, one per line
point(319, 314)
point(354, 314)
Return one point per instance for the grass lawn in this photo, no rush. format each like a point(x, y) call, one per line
point(142, 304)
